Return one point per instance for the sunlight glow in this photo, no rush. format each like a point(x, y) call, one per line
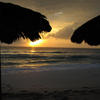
point(35, 43)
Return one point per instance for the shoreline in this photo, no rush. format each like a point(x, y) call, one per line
point(69, 78)
point(81, 83)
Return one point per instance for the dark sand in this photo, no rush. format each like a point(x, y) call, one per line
point(67, 84)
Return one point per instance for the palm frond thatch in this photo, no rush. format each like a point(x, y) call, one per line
point(17, 22)
point(88, 32)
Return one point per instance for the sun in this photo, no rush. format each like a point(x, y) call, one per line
point(35, 43)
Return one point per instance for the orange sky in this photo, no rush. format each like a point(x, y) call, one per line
point(64, 16)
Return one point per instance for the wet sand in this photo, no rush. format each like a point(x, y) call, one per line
point(67, 84)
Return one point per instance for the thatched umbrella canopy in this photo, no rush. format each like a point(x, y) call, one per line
point(17, 22)
point(88, 32)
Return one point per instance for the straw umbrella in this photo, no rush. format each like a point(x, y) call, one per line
point(18, 22)
point(88, 32)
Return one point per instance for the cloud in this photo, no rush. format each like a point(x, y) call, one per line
point(72, 9)
point(58, 13)
point(64, 33)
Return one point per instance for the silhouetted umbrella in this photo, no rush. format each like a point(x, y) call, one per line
point(89, 32)
point(17, 22)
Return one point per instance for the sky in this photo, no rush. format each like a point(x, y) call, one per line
point(64, 16)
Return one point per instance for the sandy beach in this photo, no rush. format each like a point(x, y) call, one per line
point(50, 49)
point(81, 83)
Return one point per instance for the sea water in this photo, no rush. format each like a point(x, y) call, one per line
point(24, 59)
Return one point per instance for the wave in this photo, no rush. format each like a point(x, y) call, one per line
point(46, 56)
point(20, 56)
point(51, 52)
point(50, 68)
point(9, 63)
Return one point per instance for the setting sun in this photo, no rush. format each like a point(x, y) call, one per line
point(35, 43)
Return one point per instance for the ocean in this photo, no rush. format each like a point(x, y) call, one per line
point(24, 59)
